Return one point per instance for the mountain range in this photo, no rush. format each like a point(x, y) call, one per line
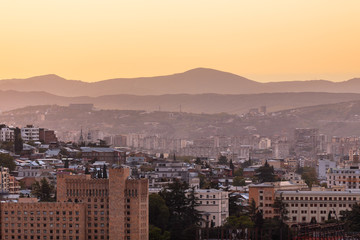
point(198, 103)
point(195, 81)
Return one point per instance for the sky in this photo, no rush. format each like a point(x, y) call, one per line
point(263, 40)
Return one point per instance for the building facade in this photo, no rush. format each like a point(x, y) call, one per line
point(115, 208)
point(346, 177)
point(213, 205)
point(317, 206)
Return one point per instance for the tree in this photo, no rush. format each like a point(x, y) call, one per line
point(309, 175)
point(7, 161)
point(352, 218)
point(183, 215)
point(158, 212)
point(155, 233)
point(222, 160)
point(238, 181)
point(104, 175)
point(239, 172)
point(161, 156)
point(239, 222)
point(66, 163)
point(232, 167)
point(18, 142)
point(198, 161)
point(99, 174)
point(266, 173)
point(87, 170)
point(43, 191)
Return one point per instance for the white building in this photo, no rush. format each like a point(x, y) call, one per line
point(7, 134)
point(323, 166)
point(264, 143)
point(213, 205)
point(316, 206)
point(30, 133)
point(347, 177)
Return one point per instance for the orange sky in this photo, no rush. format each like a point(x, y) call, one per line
point(264, 40)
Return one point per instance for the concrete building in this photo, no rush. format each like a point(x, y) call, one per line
point(47, 136)
point(7, 134)
point(108, 155)
point(213, 205)
point(317, 206)
point(323, 167)
point(30, 133)
point(114, 208)
point(347, 177)
point(264, 194)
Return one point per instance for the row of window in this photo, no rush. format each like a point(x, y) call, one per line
point(321, 198)
point(39, 212)
point(38, 219)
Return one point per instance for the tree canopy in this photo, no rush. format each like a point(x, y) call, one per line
point(7, 161)
point(266, 173)
point(43, 190)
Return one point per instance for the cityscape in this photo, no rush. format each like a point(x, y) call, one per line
point(179, 120)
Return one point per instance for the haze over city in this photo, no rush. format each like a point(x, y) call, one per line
point(180, 120)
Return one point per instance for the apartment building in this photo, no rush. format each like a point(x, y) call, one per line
point(213, 205)
point(7, 134)
point(347, 177)
point(109, 155)
point(8, 183)
point(317, 206)
point(86, 208)
point(264, 194)
point(30, 133)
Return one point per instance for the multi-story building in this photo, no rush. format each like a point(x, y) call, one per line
point(264, 194)
point(7, 134)
point(108, 155)
point(317, 206)
point(86, 208)
point(8, 183)
point(213, 205)
point(347, 177)
point(323, 167)
point(47, 136)
point(30, 133)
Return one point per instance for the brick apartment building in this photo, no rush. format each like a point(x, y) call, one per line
point(114, 208)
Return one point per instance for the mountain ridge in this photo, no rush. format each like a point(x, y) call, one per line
point(194, 81)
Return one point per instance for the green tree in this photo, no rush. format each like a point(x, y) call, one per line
point(18, 142)
point(309, 175)
point(158, 211)
point(99, 174)
point(155, 233)
point(198, 161)
point(266, 173)
point(43, 191)
point(239, 172)
point(352, 218)
point(66, 163)
point(104, 175)
point(238, 181)
point(239, 222)
point(183, 216)
point(7, 161)
point(222, 160)
point(232, 167)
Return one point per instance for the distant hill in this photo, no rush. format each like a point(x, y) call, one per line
point(199, 103)
point(340, 119)
point(195, 81)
